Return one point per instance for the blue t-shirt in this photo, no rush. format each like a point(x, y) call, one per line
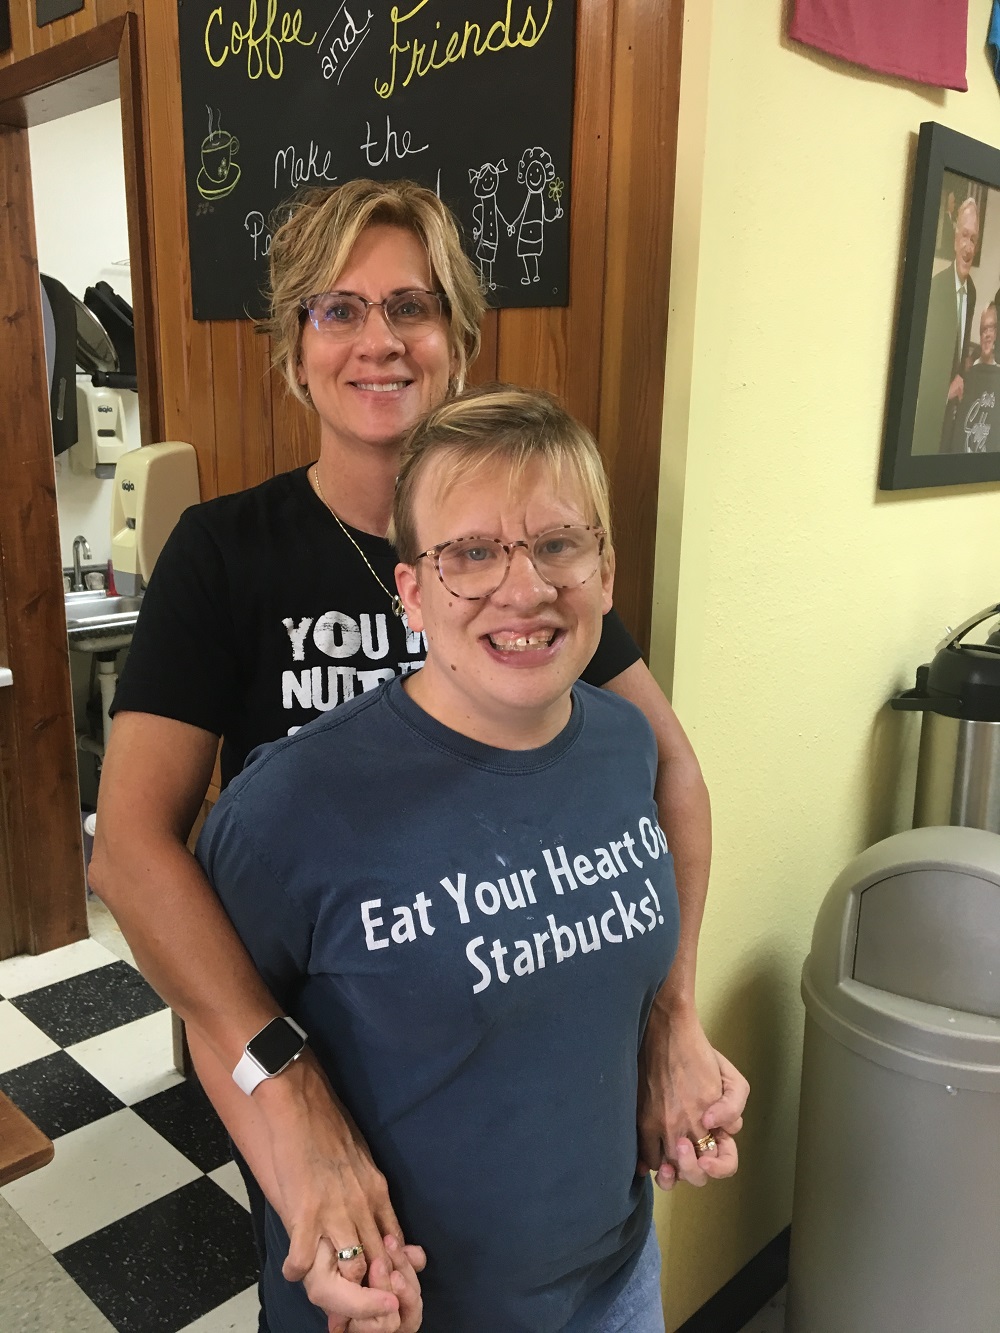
point(472, 938)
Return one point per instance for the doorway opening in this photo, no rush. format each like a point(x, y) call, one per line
point(42, 885)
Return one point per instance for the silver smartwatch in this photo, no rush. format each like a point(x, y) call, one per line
point(273, 1049)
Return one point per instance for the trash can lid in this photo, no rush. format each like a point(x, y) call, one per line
point(932, 934)
point(905, 957)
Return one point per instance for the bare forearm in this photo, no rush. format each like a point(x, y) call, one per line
point(686, 818)
point(685, 1087)
point(240, 1114)
point(273, 1131)
point(183, 941)
point(153, 783)
point(278, 1111)
point(300, 1143)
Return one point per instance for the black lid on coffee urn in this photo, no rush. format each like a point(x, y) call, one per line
point(961, 681)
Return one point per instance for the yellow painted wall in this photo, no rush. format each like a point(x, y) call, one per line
point(792, 598)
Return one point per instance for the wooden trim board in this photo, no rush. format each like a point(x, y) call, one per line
point(23, 1146)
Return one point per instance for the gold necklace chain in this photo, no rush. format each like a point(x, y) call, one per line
point(397, 605)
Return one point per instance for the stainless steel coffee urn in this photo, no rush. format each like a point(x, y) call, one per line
point(958, 769)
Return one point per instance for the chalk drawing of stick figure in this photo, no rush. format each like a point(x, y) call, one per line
point(534, 171)
point(486, 215)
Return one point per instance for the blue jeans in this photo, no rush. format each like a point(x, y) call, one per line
point(639, 1308)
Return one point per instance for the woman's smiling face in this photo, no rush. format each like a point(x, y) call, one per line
point(500, 669)
point(371, 389)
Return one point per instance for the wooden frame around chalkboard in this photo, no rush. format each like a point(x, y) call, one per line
point(942, 154)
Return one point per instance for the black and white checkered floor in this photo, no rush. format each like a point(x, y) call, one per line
point(140, 1223)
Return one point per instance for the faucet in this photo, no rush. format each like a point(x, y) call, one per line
point(79, 544)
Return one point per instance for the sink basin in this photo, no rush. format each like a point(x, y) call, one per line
point(97, 623)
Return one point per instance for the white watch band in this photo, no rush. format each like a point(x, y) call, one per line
point(249, 1073)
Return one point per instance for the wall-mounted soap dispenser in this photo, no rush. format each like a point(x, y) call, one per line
point(153, 487)
point(100, 419)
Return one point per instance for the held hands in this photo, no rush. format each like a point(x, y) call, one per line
point(332, 1197)
point(349, 1306)
point(956, 388)
point(407, 1262)
point(686, 1091)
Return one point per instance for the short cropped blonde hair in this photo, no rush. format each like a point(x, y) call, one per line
point(311, 246)
point(498, 422)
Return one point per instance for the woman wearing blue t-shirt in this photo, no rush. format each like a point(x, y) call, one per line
point(457, 887)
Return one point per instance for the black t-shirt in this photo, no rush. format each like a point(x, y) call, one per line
point(260, 614)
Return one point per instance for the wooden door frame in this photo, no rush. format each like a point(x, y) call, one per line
point(605, 353)
point(642, 169)
point(42, 894)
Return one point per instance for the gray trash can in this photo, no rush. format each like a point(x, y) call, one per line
point(896, 1216)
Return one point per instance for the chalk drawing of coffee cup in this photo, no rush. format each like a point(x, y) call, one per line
point(219, 174)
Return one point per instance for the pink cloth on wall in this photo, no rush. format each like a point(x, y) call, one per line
point(923, 40)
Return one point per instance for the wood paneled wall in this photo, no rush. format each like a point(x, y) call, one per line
point(211, 383)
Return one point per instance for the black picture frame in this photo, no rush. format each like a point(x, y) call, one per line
point(937, 336)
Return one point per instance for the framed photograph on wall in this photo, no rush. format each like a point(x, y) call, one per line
point(943, 420)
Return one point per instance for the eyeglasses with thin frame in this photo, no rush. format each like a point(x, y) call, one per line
point(475, 567)
point(342, 315)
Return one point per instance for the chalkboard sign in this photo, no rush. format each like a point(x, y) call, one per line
point(472, 98)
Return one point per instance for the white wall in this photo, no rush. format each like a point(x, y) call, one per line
point(78, 182)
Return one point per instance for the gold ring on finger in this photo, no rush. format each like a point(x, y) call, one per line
point(706, 1144)
point(351, 1253)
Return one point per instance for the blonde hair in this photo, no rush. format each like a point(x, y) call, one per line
point(311, 246)
point(498, 422)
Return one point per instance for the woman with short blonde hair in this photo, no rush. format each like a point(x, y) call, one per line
point(467, 917)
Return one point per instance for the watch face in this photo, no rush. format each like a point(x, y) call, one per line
point(273, 1047)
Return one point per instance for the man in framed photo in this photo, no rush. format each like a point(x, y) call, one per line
point(946, 341)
